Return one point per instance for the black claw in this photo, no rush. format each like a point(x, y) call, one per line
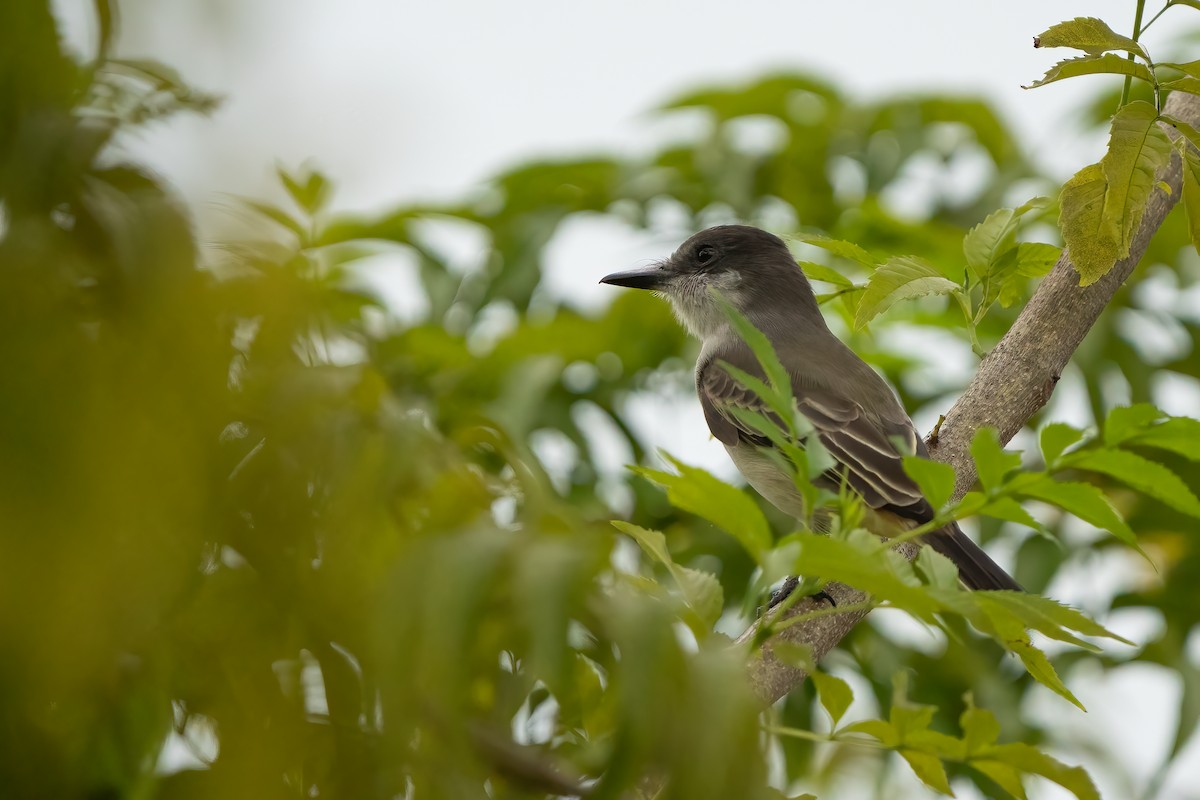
point(826, 596)
point(781, 594)
point(789, 586)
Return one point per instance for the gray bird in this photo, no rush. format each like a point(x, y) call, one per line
point(853, 411)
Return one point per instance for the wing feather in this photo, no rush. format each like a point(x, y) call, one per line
point(869, 449)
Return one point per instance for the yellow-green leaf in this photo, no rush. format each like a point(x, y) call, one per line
point(836, 695)
point(1084, 501)
point(900, 278)
point(938, 571)
point(757, 341)
point(652, 542)
point(1187, 84)
point(1103, 204)
point(1148, 477)
point(984, 243)
point(979, 726)
point(1108, 63)
point(1137, 148)
point(1188, 68)
point(992, 463)
point(929, 769)
point(1093, 240)
point(1028, 758)
point(1089, 34)
point(1124, 422)
point(1055, 438)
point(1036, 664)
point(1008, 778)
point(1191, 194)
point(1043, 614)
point(861, 563)
point(821, 272)
point(935, 478)
point(702, 592)
point(1179, 435)
point(839, 247)
point(727, 507)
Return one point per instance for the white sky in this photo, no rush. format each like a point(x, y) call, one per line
point(400, 100)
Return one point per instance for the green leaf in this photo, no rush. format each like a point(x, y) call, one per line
point(1084, 501)
point(1035, 203)
point(1179, 435)
point(820, 272)
point(780, 404)
point(991, 461)
point(1035, 259)
point(877, 729)
point(1191, 193)
point(702, 592)
point(836, 695)
point(984, 243)
point(860, 562)
point(1006, 508)
point(1190, 133)
point(1137, 148)
point(1108, 63)
point(777, 376)
point(1006, 777)
point(979, 726)
point(1187, 84)
point(1017, 266)
point(840, 248)
point(900, 278)
point(1009, 630)
point(929, 769)
point(1050, 616)
point(1089, 34)
point(1148, 477)
point(697, 492)
point(1103, 204)
point(652, 542)
point(1093, 240)
point(935, 478)
point(938, 571)
point(1055, 438)
point(1189, 68)
point(1027, 758)
point(1124, 422)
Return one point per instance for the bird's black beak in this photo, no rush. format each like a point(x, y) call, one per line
point(654, 277)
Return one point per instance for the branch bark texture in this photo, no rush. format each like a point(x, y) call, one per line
point(1014, 381)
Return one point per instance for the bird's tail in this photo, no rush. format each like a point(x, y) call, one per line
point(975, 568)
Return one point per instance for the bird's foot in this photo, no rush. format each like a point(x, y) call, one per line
point(789, 586)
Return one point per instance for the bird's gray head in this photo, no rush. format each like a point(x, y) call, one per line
point(751, 268)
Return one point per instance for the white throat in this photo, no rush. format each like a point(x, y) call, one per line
point(695, 306)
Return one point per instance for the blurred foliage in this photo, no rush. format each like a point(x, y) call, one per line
point(262, 538)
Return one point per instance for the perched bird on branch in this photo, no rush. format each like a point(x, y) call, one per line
point(853, 412)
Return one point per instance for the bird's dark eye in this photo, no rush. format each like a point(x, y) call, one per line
point(705, 254)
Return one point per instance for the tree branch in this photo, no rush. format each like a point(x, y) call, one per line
point(1014, 381)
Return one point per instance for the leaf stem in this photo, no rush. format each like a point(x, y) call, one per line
point(820, 738)
point(1156, 16)
point(817, 613)
point(1137, 31)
